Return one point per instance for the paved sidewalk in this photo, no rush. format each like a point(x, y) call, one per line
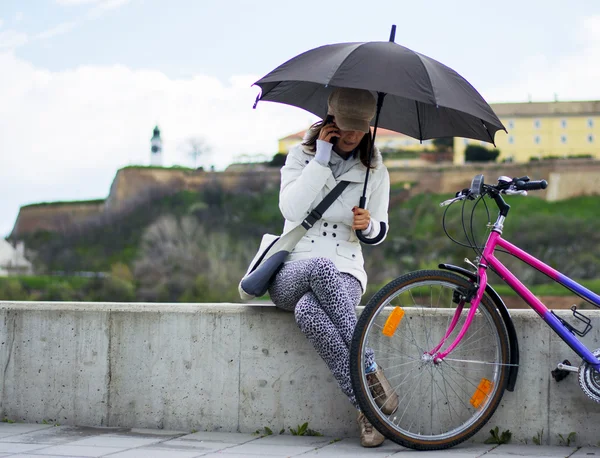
point(39, 441)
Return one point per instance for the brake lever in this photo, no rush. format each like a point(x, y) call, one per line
point(515, 192)
point(451, 201)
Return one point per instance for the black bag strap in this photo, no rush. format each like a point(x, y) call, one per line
point(318, 211)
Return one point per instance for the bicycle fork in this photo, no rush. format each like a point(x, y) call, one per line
point(472, 295)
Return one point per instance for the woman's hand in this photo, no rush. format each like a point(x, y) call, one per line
point(362, 218)
point(328, 132)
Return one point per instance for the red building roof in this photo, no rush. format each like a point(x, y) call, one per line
point(380, 131)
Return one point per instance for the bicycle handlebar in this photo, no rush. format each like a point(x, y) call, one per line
point(531, 185)
point(506, 185)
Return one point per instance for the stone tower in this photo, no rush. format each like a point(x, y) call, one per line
point(156, 148)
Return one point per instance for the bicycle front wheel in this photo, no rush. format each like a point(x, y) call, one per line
point(439, 403)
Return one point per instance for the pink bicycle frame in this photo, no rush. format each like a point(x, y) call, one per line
point(489, 260)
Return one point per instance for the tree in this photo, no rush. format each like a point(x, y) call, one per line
point(476, 153)
point(278, 160)
point(195, 147)
point(443, 143)
point(174, 252)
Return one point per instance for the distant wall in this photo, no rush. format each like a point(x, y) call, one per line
point(54, 217)
point(231, 367)
point(135, 185)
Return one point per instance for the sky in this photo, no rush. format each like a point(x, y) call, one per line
point(84, 82)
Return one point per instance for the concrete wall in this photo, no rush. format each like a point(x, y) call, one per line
point(226, 367)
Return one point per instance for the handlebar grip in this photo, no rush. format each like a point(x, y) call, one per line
point(531, 185)
point(382, 229)
point(380, 236)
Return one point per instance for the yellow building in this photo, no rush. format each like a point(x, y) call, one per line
point(386, 140)
point(540, 129)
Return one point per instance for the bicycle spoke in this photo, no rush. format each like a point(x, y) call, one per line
point(438, 402)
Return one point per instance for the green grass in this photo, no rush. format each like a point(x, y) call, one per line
point(61, 203)
point(584, 208)
point(42, 282)
point(157, 167)
point(416, 239)
point(550, 289)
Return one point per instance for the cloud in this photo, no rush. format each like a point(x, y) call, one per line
point(60, 29)
point(98, 4)
point(1, 23)
point(570, 77)
point(65, 134)
point(11, 39)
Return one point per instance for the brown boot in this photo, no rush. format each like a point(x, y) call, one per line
point(369, 436)
point(385, 397)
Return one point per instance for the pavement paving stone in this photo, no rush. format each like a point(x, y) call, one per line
point(45, 441)
point(513, 450)
point(75, 450)
point(12, 429)
point(153, 453)
point(11, 447)
point(155, 432)
point(195, 446)
point(27, 455)
point(124, 441)
point(587, 451)
point(306, 441)
point(59, 434)
point(350, 447)
point(230, 438)
point(253, 449)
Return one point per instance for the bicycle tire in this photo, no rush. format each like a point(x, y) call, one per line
point(453, 378)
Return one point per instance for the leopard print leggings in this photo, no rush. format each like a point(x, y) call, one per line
point(323, 301)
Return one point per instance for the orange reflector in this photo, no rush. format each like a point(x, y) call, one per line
point(392, 322)
point(483, 390)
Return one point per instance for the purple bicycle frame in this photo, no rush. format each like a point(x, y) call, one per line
point(489, 259)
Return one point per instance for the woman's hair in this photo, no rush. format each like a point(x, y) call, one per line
point(310, 141)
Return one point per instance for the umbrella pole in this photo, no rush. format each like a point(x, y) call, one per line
point(363, 198)
point(380, 96)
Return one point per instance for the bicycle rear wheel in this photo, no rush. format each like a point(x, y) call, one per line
point(440, 403)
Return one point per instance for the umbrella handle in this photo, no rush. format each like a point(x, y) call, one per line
point(364, 239)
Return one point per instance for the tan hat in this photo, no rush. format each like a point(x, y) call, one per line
point(353, 108)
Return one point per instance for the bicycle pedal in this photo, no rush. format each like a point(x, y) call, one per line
point(563, 370)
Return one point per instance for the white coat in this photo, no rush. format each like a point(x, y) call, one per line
point(305, 183)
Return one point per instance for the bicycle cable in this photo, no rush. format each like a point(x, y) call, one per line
point(471, 239)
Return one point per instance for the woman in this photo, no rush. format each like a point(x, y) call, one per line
point(323, 278)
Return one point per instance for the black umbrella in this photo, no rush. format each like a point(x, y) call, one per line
point(423, 98)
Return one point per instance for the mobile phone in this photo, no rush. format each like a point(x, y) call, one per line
point(329, 120)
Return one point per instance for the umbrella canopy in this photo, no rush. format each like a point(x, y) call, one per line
point(423, 98)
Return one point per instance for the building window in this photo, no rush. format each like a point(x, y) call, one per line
point(511, 139)
point(537, 123)
point(537, 139)
point(590, 122)
point(563, 139)
point(590, 138)
point(511, 124)
point(563, 123)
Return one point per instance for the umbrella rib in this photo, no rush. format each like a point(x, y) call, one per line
point(488, 132)
point(419, 121)
point(428, 77)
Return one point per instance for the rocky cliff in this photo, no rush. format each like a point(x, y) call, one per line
point(135, 185)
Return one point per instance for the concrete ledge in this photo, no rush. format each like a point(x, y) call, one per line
point(231, 368)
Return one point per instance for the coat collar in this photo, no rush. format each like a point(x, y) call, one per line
point(376, 159)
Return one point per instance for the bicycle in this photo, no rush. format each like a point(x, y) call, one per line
point(446, 340)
